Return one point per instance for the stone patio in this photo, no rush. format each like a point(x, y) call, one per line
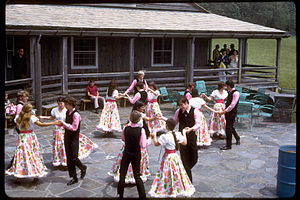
point(246, 171)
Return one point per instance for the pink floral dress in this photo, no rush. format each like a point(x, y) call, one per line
point(151, 110)
point(217, 123)
point(110, 119)
point(203, 137)
point(171, 180)
point(86, 146)
point(28, 160)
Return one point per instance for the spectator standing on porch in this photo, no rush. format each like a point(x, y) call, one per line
point(93, 94)
point(216, 54)
point(19, 65)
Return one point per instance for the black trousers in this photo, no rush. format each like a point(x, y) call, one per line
point(230, 119)
point(189, 154)
point(135, 163)
point(72, 148)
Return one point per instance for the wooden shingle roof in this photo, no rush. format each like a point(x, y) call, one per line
point(101, 20)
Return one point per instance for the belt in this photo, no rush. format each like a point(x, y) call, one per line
point(219, 100)
point(170, 151)
point(27, 131)
point(152, 101)
point(110, 100)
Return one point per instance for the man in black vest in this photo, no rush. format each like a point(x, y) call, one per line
point(71, 140)
point(135, 139)
point(188, 119)
point(230, 114)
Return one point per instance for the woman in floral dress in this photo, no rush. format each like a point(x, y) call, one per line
point(153, 109)
point(203, 137)
point(145, 171)
point(217, 123)
point(171, 180)
point(28, 161)
point(86, 146)
point(110, 119)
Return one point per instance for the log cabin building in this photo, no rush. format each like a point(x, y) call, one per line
point(66, 45)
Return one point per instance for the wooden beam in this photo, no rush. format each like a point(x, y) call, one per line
point(240, 60)
point(64, 65)
point(245, 51)
point(38, 76)
point(278, 59)
point(131, 59)
point(190, 59)
point(32, 41)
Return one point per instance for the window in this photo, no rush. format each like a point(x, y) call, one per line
point(84, 53)
point(9, 51)
point(162, 51)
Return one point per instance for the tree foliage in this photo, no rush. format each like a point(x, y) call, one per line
point(279, 15)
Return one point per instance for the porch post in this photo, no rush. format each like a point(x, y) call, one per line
point(38, 75)
point(131, 59)
point(190, 59)
point(240, 60)
point(209, 49)
point(245, 51)
point(278, 60)
point(32, 41)
point(64, 65)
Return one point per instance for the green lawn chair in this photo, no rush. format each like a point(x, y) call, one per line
point(164, 94)
point(245, 110)
point(200, 86)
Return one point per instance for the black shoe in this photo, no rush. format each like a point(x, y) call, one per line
point(238, 142)
point(72, 181)
point(83, 172)
point(225, 148)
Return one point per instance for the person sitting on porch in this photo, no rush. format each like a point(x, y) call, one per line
point(93, 94)
point(140, 78)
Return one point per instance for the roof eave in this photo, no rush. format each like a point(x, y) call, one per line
point(62, 31)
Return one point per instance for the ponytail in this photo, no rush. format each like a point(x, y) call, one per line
point(176, 142)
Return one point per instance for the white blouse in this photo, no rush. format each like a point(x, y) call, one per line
point(217, 95)
point(59, 115)
point(196, 102)
point(153, 96)
point(167, 140)
point(114, 94)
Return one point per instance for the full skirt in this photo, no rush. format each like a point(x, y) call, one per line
point(153, 109)
point(171, 180)
point(110, 119)
point(145, 171)
point(203, 137)
point(28, 160)
point(86, 146)
point(217, 123)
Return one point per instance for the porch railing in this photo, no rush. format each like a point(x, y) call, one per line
point(173, 79)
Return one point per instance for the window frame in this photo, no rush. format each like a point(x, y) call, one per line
point(84, 66)
point(172, 55)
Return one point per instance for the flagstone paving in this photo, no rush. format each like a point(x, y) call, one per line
point(248, 170)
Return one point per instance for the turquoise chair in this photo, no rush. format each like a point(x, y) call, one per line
point(266, 111)
point(164, 94)
point(245, 110)
point(240, 89)
point(200, 85)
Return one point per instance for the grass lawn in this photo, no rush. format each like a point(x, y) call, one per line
point(263, 52)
